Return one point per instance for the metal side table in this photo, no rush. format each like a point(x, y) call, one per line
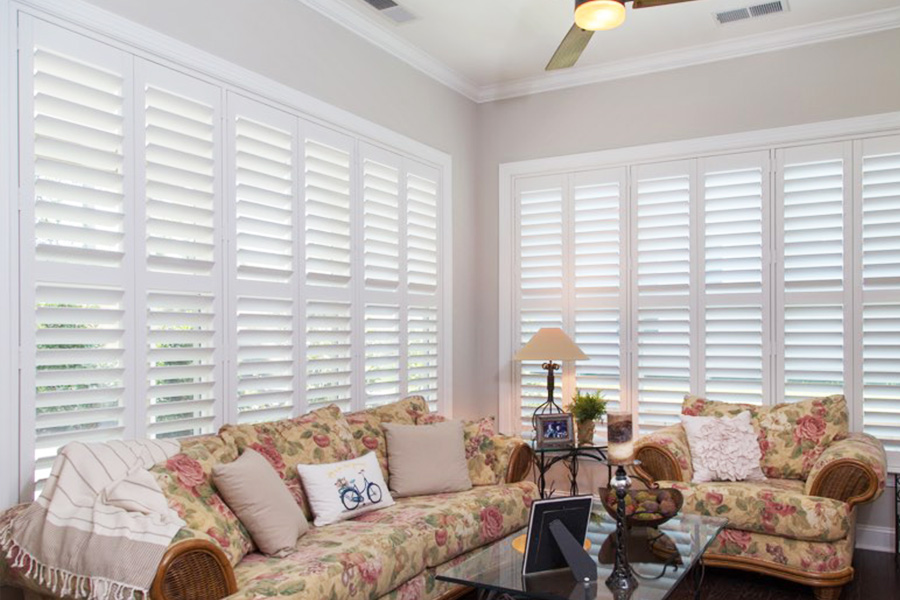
point(545, 458)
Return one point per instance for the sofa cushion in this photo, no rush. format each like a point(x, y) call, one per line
point(803, 555)
point(461, 521)
point(482, 452)
point(186, 480)
point(775, 507)
point(791, 436)
point(365, 426)
point(723, 448)
point(321, 436)
point(350, 559)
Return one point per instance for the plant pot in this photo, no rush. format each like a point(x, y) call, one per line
point(585, 433)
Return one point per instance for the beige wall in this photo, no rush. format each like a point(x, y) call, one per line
point(296, 46)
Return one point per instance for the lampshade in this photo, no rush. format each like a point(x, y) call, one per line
point(597, 15)
point(550, 343)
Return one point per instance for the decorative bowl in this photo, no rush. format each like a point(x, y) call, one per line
point(645, 508)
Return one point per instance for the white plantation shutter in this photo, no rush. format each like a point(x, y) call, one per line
point(76, 264)
point(382, 354)
point(735, 192)
point(812, 186)
point(596, 295)
point(328, 354)
point(661, 251)
point(182, 215)
point(264, 288)
point(879, 227)
point(541, 274)
point(381, 224)
point(423, 336)
point(332, 318)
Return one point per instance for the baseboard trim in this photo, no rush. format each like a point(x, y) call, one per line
point(875, 537)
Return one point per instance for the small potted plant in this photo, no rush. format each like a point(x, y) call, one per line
point(587, 408)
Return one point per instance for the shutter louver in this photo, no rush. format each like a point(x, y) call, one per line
point(263, 255)
point(597, 205)
point(663, 286)
point(180, 183)
point(181, 361)
point(422, 353)
point(181, 285)
point(78, 161)
point(813, 193)
point(382, 336)
point(733, 278)
point(421, 234)
point(327, 215)
point(328, 354)
point(265, 354)
point(880, 227)
point(81, 366)
point(381, 225)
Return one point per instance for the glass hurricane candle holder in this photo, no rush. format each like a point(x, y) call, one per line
point(619, 439)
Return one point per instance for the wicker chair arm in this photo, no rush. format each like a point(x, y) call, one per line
point(193, 570)
point(851, 470)
point(664, 455)
point(521, 460)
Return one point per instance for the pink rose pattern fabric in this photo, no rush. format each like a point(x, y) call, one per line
point(779, 509)
point(391, 549)
point(791, 436)
point(807, 556)
point(321, 436)
point(186, 480)
point(674, 440)
point(861, 447)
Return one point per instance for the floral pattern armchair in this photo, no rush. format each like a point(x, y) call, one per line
point(799, 523)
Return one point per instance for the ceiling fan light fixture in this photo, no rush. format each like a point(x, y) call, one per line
point(599, 15)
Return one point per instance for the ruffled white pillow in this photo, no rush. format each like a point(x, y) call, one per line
point(723, 449)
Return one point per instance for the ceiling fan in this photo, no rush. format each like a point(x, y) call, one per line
point(591, 16)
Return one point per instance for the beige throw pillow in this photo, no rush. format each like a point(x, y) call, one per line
point(427, 459)
point(723, 448)
point(256, 494)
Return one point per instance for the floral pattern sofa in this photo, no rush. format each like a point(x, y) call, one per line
point(798, 524)
point(393, 553)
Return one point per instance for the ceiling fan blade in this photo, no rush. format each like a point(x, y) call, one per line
point(652, 3)
point(570, 49)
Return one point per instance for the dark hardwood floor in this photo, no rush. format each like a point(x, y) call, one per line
point(877, 578)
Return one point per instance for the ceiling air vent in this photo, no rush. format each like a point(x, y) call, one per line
point(750, 12)
point(391, 10)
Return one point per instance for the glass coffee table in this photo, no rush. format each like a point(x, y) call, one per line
point(660, 557)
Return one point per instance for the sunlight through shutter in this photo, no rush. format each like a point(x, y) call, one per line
point(880, 229)
point(328, 354)
point(663, 285)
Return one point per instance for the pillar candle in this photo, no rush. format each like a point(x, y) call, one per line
point(619, 432)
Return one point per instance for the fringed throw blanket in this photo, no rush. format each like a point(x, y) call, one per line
point(101, 525)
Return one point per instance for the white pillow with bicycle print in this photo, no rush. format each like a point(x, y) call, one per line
point(344, 490)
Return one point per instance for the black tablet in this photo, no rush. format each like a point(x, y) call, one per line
point(542, 553)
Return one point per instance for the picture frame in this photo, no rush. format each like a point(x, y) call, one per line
point(555, 430)
point(542, 551)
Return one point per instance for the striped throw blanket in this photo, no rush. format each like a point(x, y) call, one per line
point(101, 524)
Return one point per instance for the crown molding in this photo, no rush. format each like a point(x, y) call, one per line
point(381, 36)
point(865, 23)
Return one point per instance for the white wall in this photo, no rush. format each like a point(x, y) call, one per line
point(835, 80)
point(294, 45)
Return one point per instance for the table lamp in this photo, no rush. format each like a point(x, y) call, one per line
point(549, 344)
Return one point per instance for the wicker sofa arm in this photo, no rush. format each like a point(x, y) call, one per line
point(664, 455)
point(852, 470)
point(521, 460)
point(193, 569)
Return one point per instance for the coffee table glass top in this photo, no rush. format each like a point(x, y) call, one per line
point(660, 557)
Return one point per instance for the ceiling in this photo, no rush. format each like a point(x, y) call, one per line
point(498, 48)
